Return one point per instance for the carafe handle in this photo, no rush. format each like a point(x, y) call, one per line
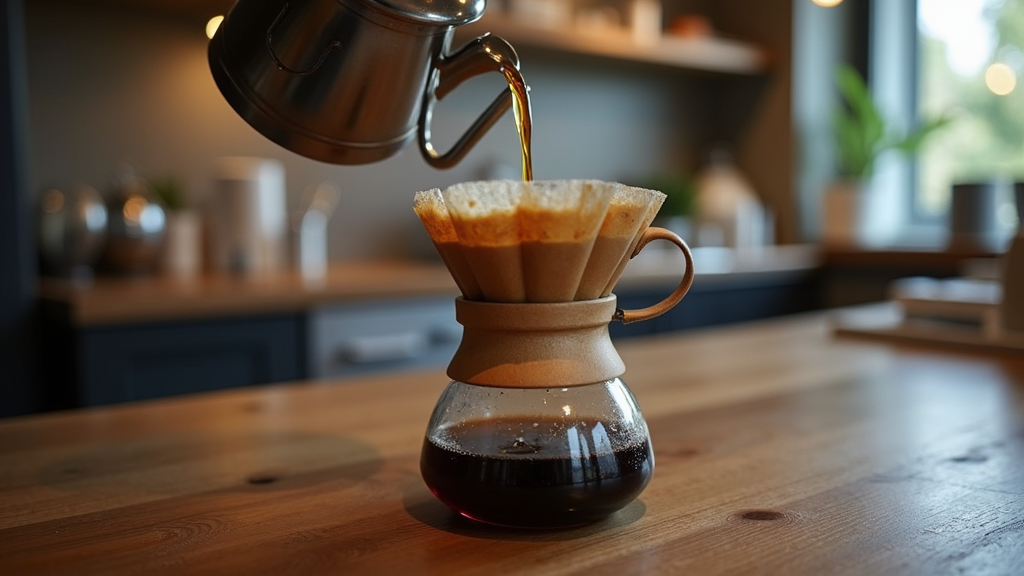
point(484, 54)
point(655, 233)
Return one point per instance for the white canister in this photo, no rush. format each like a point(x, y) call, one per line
point(248, 216)
point(182, 251)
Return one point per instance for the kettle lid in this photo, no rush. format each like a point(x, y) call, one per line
point(443, 12)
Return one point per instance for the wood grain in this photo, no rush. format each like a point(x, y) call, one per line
point(779, 449)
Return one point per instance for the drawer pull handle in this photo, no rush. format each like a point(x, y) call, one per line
point(384, 348)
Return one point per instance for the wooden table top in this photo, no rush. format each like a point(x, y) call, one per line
point(780, 450)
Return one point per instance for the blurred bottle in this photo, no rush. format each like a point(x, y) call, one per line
point(645, 21)
point(728, 211)
point(310, 231)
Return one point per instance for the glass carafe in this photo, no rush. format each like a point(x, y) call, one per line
point(537, 457)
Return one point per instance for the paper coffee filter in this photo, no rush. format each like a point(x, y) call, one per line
point(484, 213)
point(558, 222)
point(563, 210)
point(485, 217)
point(653, 200)
point(540, 241)
point(430, 207)
point(629, 214)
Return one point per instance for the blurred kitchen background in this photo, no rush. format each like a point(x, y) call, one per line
point(727, 105)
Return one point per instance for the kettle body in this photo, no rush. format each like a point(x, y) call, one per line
point(350, 81)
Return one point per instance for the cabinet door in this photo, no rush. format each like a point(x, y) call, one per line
point(122, 363)
point(366, 337)
point(711, 303)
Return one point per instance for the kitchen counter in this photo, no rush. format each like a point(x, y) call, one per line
point(126, 300)
point(779, 449)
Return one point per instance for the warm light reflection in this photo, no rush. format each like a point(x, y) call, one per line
point(53, 201)
point(567, 409)
point(132, 209)
point(827, 3)
point(139, 212)
point(1000, 79)
point(212, 25)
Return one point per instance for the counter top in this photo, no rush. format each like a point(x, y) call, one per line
point(779, 447)
point(120, 300)
point(124, 300)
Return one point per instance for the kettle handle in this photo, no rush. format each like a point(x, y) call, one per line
point(655, 233)
point(484, 54)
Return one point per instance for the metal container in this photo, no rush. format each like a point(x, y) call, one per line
point(351, 81)
point(72, 229)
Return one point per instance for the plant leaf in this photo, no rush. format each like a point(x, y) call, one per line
point(910, 143)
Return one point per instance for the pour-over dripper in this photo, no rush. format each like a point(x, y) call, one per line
point(536, 429)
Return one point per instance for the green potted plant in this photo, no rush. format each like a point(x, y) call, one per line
point(862, 135)
point(170, 191)
point(676, 213)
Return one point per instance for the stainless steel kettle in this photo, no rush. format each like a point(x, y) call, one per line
point(353, 81)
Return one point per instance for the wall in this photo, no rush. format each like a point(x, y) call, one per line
point(17, 251)
point(114, 84)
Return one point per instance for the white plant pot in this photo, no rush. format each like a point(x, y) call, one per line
point(845, 215)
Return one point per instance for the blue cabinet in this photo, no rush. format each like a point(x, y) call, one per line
point(121, 363)
point(710, 304)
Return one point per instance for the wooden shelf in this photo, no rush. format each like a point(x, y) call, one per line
point(192, 9)
point(706, 54)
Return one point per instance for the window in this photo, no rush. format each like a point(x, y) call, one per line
point(970, 66)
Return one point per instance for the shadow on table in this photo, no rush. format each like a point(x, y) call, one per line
point(425, 508)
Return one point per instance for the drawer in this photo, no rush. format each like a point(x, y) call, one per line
point(138, 362)
point(350, 339)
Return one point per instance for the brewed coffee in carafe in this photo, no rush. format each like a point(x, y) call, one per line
point(536, 428)
point(537, 457)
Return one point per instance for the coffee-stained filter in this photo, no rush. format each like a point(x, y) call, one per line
point(629, 215)
point(539, 241)
point(429, 206)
